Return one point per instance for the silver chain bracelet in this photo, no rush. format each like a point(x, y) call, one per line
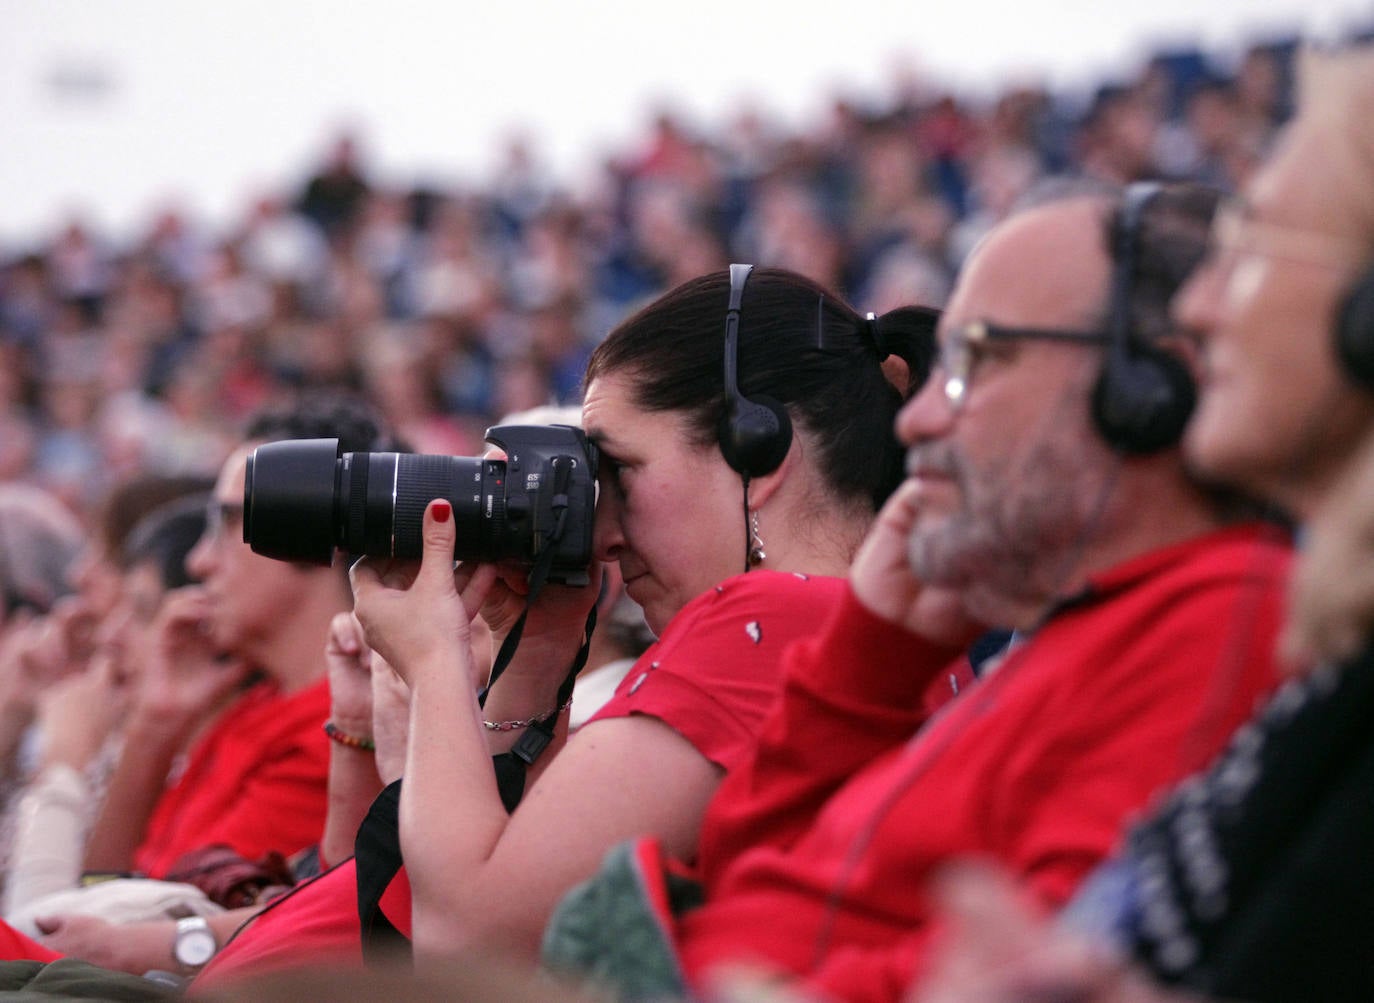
point(513, 725)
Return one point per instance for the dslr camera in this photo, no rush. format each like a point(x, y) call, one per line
point(303, 499)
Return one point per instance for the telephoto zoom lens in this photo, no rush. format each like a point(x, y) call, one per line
point(302, 501)
point(382, 499)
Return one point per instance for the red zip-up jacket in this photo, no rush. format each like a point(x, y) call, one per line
point(817, 854)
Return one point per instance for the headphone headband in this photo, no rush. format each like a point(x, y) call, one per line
point(1125, 253)
point(755, 433)
point(1144, 394)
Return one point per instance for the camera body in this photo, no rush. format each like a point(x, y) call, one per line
point(303, 499)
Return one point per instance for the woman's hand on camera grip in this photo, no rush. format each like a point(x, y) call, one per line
point(556, 620)
point(416, 615)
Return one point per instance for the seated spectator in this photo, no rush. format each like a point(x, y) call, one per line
point(255, 778)
point(683, 509)
point(80, 719)
point(57, 652)
point(695, 718)
point(1045, 493)
point(1248, 882)
point(39, 541)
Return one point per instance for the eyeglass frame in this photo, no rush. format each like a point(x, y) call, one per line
point(1236, 233)
point(220, 515)
point(958, 373)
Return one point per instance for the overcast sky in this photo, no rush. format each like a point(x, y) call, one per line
point(109, 107)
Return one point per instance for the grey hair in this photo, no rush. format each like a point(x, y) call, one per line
point(39, 539)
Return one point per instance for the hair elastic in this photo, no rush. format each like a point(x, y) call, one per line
point(870, 327)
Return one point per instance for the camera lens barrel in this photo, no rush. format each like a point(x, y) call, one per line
point(464, 481)
point(304, 498)
point(288, 500)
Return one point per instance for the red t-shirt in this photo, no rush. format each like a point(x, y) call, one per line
point(717, 668)
point(255, 781)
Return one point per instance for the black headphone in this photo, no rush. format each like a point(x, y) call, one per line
point(755, 432)
point(1144, 394)
point(1355, 331)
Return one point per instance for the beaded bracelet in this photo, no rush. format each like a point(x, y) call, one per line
point(344, 738)
point(513, 725)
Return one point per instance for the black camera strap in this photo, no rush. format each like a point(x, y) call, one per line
point(539, 733)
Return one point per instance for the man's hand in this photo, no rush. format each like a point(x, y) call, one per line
point(884, 583)
point(128, 947)
point(78, 714)
point(186, 675)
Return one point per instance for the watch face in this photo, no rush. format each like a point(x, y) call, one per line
point(195, 944)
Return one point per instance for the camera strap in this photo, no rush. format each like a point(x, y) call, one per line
point(539, 576)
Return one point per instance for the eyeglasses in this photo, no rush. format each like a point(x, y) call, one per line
point(223, 517)
point(1237, 233)
point(961, 348)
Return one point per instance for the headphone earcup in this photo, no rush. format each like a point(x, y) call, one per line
point(755, 435)
point(1355, 332)
point(1143, 399)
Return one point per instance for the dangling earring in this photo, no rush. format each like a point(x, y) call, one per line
point(756, 554)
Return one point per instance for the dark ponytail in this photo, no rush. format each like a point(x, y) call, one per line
point(800, 345)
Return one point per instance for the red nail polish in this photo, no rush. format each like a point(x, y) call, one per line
point(442, 510)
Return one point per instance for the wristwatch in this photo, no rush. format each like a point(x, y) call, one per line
point(195, 942)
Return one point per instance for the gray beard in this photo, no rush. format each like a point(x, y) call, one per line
point(1020, 532)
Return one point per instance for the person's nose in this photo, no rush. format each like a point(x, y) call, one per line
point(929, 414)
point(81, 573)
point(200, 561)
point(1196, 307)
point(112, 634)
point(607, 537)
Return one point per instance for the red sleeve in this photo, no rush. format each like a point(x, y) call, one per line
point(716, 670)
point(15, 946)
point(852, 692)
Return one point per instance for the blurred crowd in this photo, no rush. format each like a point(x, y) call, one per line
point(143, 352)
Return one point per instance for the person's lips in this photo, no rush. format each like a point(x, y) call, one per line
point(928, 471)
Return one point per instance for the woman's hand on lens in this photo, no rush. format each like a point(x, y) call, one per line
point(884, 582)
point(415, 615)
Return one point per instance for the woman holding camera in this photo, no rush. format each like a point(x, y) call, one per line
point(732, 496)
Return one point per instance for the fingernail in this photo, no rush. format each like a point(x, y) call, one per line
point(442, 510)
